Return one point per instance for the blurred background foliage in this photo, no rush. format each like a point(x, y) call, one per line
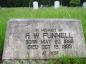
point(28, 3)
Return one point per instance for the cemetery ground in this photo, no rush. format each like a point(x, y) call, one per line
point(63, 12)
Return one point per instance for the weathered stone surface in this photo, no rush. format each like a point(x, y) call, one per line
point(35, 5)
point(56, 4)
point(26, 62)
point(43, 39)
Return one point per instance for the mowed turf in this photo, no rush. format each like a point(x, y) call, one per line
point(63, 12)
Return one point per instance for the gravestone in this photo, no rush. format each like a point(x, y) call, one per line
point(35, 5)
point(31, 41)
point(56, 4)
point(41, 6)
point(84, 4)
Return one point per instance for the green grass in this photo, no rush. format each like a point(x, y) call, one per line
point(63, 12)
point(66, 60)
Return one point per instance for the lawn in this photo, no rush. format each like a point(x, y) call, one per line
point(63, 12)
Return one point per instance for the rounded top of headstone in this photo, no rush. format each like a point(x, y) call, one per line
point(56, 1)
point(34, 1)
point(84, 4)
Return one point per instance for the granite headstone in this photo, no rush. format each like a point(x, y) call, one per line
point(32, 40)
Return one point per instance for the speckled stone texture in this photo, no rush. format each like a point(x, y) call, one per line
point(56, 37)
point(25, 61)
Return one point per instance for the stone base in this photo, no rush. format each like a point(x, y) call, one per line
point(25, 61)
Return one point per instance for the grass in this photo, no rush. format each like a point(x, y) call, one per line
point(66, 60)
point(63, 12)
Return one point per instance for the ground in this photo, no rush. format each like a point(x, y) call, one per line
point(25, 12)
